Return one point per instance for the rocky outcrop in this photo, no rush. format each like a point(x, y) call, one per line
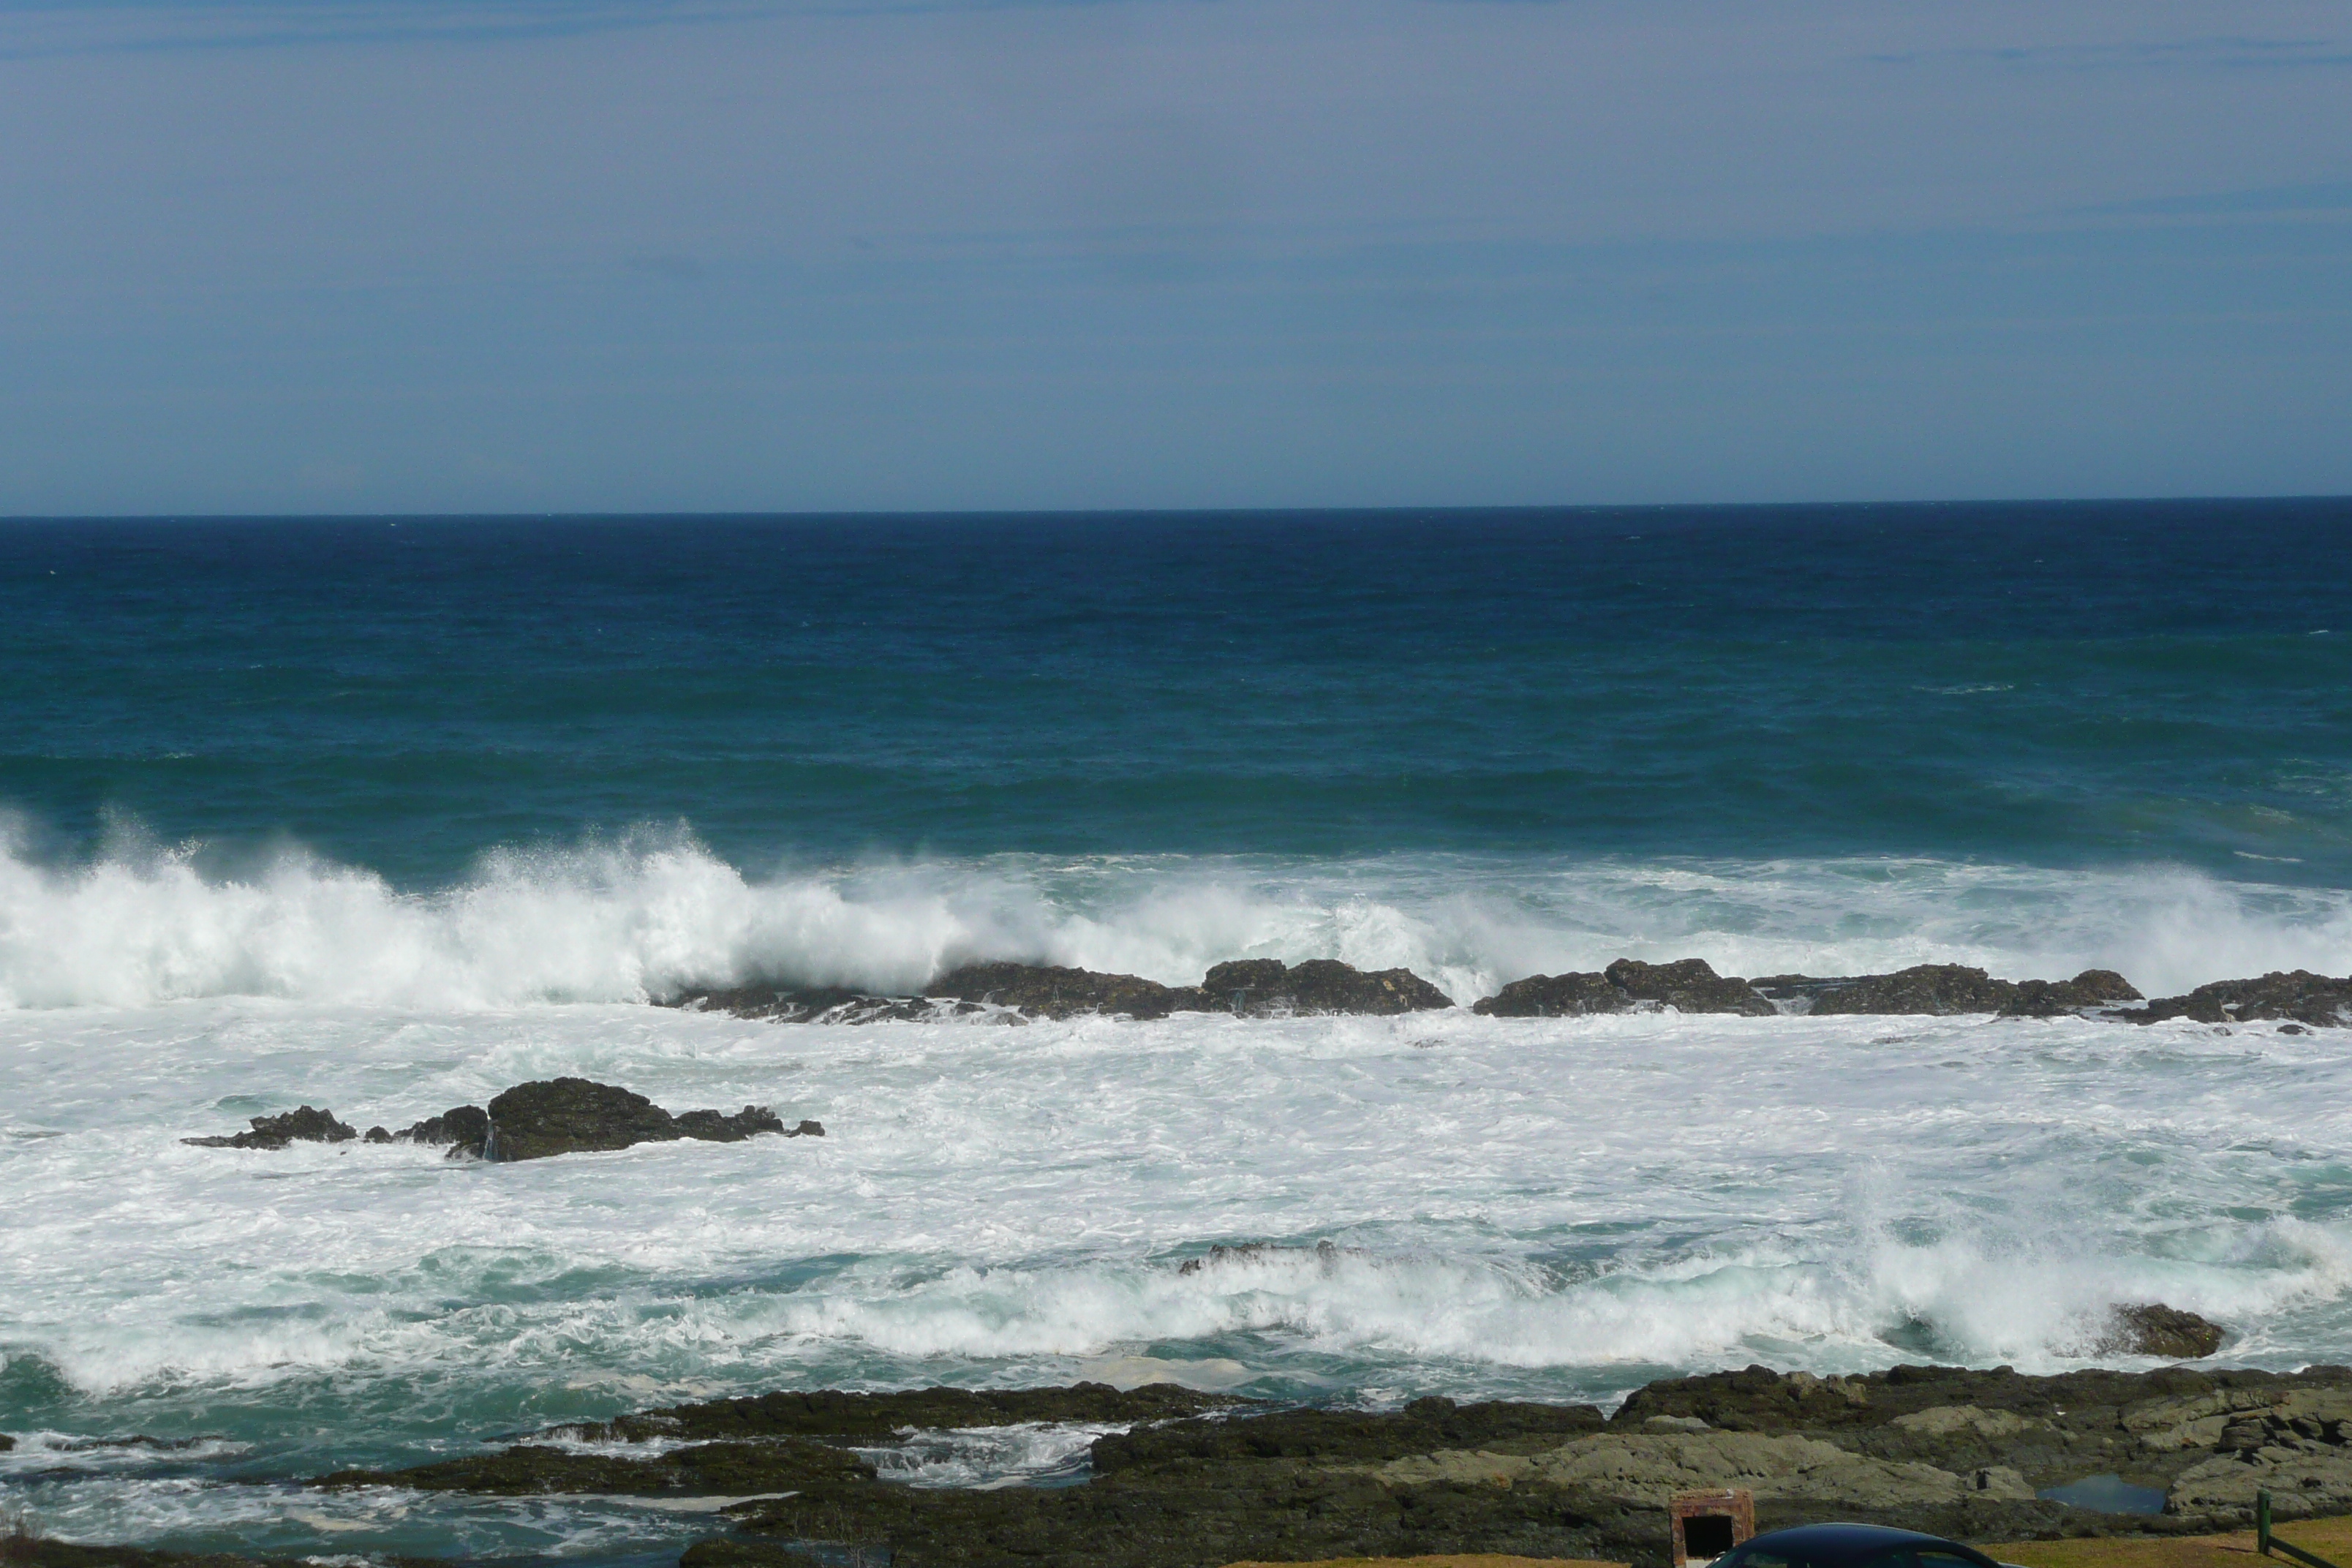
point(576, 1116)
point(463, 1129)
point(1944, 989)
point(1016, 992)
point(1267, 987)
point(303, 1126)
point(2156, 1330)
point(1628, 986)
point(1045, 991)
point(531, 1122)
point(2298, 995)
point(1198, 1480)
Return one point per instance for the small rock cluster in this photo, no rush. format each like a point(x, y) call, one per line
point(528, 1121)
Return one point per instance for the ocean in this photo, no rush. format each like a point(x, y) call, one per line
point(387, 814)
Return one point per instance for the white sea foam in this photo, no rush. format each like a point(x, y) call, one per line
point(653, 912)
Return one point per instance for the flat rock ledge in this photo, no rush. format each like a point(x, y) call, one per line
point(1195, 1480)
point(530, 1121)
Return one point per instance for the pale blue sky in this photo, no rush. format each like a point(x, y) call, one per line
point(293, 255)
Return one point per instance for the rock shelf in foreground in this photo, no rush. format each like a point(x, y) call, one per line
point(1199, 1480)
point(530, 1121)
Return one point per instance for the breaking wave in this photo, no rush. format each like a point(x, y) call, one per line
point(641, 915)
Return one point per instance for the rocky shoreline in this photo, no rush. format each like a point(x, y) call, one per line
point(1194, 1480)
point(1015, 993)
point(1200, 1479)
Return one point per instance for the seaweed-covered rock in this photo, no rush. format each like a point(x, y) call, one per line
point(1267, 986)
point(1628, 986)
point(1050, 991)
point(2156, 1330)
point(305, 1125)
point(2298, 994)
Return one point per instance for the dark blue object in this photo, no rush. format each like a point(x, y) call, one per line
point(1851, 1546)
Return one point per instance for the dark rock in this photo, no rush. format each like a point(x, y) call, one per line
point(1628, 986)
point(572, 1116)
point(303, 1126)
point(1049, 992)
point(825, 1412)
point(376, 1135)
point(1934, 988)
point(6, 1442)
point(2298, 994)
point(807, 1129)
point(715, 1127)
point(465, 1129)
point(1355, 1437)
point(1267, 987)
point(1568, 995)
point(2160, 1331)
point(2055, 998)
point(708, 1469)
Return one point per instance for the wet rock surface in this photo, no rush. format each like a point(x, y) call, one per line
point(305, 1125)
point(1016, 992)
point(1686, 985)
point(2160, 1331)
point(2295, 994)
point(1943, 989)
point(532, 1121)
point(1203, 1479)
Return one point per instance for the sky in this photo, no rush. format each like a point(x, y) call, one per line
point(305, 256)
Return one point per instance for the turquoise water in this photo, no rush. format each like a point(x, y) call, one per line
point(389, 815)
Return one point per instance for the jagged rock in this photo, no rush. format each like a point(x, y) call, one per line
point(1261, 987)
point(1226, 1254)
point(1686, 985)
point(2055, 998)
point(1015, 992)
point(2160, 1331)
point(2305, 1480)
point(301, 1126)
point(1943, 989)
point(574, 1116)
point(2298, 994)
point(1050, 991)
point(463, 1129)
point(712, 1127)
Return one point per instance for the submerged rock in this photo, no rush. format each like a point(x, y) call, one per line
point(712, 1127)
point(2298, 994)
point(1628, 986)
point(706, 1469)
point(2159, 1331)
point(305, 1125)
